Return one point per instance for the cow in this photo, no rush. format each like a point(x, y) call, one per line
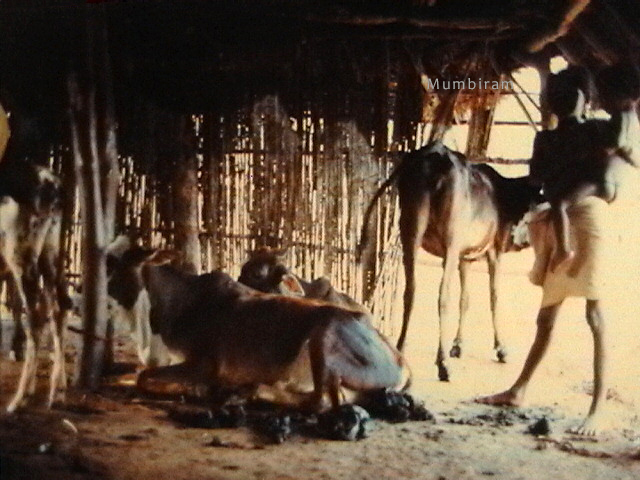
point(30, 257)
point(460, 212)
point(266, 272)
point(232, 336)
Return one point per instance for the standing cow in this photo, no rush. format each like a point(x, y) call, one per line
point(30, 216)
point(460, 212)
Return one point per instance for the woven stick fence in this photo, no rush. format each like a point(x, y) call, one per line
point(272, 180)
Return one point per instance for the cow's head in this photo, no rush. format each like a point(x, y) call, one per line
point(129, 295)
point(125, 262)
point(47, 191)
point(266, 272)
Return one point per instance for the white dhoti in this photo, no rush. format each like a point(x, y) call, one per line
point(599, 231)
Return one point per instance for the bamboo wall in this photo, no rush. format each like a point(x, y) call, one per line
point(268, 179)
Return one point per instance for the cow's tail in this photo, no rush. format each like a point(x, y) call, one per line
point(362, 358)
point(365, 233)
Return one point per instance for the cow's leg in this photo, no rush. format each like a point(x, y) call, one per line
point(456, 350)
point(159, 379)
point(58, 378)
point(143, 329)
point(493, 260)
point(450, 266)
point(158, 352)
point(280, 395)
point(28, 290)
point(58, 304)
point(18, 339)
point(324, 380)
point(414, 216)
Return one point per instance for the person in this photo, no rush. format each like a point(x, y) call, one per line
point(568, 174)
point(594, 229)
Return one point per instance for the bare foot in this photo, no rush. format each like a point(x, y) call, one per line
point(591, 426)
point(506, 398)
point(562, 260)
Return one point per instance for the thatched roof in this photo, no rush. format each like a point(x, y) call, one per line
point(205, 55)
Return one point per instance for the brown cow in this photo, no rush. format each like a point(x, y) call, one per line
point(30, 213)
point(460, 212)
point(266, 272)
point(233, 336)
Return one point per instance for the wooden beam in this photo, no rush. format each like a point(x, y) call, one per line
point(557, 27)
point(491, 24)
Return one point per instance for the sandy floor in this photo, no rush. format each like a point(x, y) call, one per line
point(119, 437)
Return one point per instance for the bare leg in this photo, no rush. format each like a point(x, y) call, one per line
point(456, 350)
point(594, 421)
point(514, 396)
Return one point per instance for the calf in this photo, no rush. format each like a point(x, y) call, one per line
point(265, 272)
point(233, 336)
point(460, 212)
point(30, 214)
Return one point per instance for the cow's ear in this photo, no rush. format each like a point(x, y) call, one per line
point(280, 252)
point(119, 246)
point(291, 286)
point(161, 257)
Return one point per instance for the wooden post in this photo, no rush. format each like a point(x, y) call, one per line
point(443, 114)
point(214, 158)
point(185, 200)
point(480, 130)
point(95, 159)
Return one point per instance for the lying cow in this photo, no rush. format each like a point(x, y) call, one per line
point(233, 336)
point(30, 214)
point(265, 272)
point(460, 212)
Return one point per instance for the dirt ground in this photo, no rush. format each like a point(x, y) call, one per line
point(116, 435)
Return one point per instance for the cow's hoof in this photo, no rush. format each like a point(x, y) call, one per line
point(396, 407)
point(456, 351)
point(277, 428)
point(388, 404)
point(501, 354)
point(348, 422)
point(16, 355)
point(443, 373)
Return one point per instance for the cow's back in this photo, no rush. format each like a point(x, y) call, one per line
point(462, 206)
